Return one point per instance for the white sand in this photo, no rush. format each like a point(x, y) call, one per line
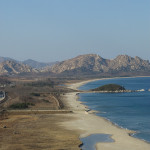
point(75, 86)
point(88, 123)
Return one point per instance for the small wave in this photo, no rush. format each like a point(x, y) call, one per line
point(135, 135)
point(114, 123)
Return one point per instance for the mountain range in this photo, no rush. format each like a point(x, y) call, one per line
point(83, 64)
point(38, 65)
point(93, 63)
point(29, 62)
point(10, 67)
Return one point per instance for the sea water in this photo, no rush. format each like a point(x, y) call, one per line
point(89, 142)
point(127, 110)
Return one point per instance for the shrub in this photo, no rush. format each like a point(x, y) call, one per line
point(20, 105)
point(35, 94)
point(109, 87)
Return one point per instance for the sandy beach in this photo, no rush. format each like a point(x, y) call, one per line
point(87, 123)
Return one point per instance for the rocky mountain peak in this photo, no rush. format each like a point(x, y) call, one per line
point(95, 63)
point(123, 58)
point(85, 62)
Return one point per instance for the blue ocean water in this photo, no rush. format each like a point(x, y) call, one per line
point(127, 110)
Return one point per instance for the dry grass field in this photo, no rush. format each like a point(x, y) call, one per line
point(37, 132)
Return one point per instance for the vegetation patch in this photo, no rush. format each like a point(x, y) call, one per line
point(42, 83)
point(46, 101)
point(35, 94)
point(109, 87)
point(20, 105)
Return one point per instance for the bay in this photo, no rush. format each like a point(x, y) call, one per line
point(127, 110)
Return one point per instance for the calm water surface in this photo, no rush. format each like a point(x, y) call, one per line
point(89, 142)
point(128, 110)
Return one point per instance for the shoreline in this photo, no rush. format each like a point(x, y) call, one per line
point(76, 85)
point(88, 123)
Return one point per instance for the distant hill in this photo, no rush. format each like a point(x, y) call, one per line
point(29, 62)
point(36, 64)
point(13, 67)
point(93, 64)
point(2, 59)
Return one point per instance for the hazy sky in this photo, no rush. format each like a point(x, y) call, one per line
point(50, 30)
